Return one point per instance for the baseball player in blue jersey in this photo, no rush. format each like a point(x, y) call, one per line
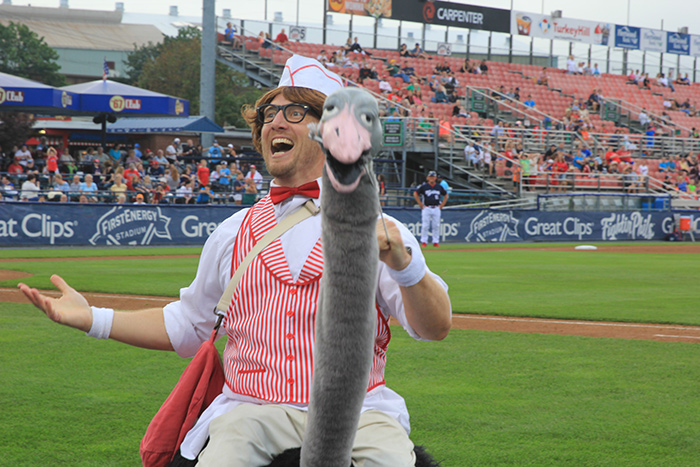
point(431, 198)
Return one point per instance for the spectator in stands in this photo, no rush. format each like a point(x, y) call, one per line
point(185, 193)
point(238, 187)
point(596, 71)
point(593, 101)
point(281, 38)
point(60, 184)
point(30, 189)
point(471, 154)
point(442, 67)
point(445, 132)
point(571, 66)
point(440, 95)
point(230, 36)
point(203, 173)
point(529, 102)
point(139, 199)
point(89, 187)
point(483, 68)
point(685, 81)
point(357, 48)
point(250, 195)
point(256, 176)
point(661, 80)
point(322, 57)
point(173, 150)
point(403, 51)
point(115, 154)
point(632, 76)
point(384, 86)
point(645, 82)
point(367, 71)
point(205, 195)
point(418, 52)
point(643, 118)
point(543, 79)
point(467, 67)
point(118, 186)
point(23, 156)
point(459, 111)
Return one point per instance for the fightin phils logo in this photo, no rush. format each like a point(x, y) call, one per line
point(131, 226)
point(491, 226)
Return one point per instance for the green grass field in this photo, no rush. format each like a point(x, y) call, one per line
point(476, 398)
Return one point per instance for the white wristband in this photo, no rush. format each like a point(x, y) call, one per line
point(101, 322)
point(411, 274)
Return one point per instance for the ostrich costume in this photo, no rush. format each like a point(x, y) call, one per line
point(350, 134)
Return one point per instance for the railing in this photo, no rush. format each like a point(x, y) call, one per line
point(512, 105)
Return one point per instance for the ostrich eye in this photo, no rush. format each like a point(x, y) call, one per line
point(366, 118)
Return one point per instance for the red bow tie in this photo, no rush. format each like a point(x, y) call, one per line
point(280, 193)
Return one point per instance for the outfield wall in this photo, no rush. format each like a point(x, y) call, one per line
point(45, 224)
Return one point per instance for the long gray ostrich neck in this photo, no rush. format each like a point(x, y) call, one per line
point(345, 325)
point(345, 321)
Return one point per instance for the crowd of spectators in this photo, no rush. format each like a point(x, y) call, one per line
point(181, 173)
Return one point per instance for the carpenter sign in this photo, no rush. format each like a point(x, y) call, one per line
point(431, 12)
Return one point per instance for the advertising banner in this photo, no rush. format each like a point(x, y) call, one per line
point(695, 45)
point(430, 12)
point(47, 224)
point(677, 43)
point(627, 37)
point(572, 30)
point(652, 40)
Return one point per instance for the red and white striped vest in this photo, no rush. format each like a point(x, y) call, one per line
point(270, 322)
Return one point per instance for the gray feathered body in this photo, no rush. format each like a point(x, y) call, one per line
point(346, 317)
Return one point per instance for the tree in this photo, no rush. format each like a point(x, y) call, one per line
point(15, 129)
point(23, 53)
point(173, 68)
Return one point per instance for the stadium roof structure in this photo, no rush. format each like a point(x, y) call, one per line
point(194, 124)
point(124, 100)
point(24, 95)
point(68, 28)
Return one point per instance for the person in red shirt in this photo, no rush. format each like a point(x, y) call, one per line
point(281, 37)
point(131, 174)
point(560, 167)
point(51, 163)
point(203, 173)
point(15, 167)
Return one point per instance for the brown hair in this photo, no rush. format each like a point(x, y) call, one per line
point(310, 97)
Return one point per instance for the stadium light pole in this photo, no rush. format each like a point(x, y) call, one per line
point(207, 78)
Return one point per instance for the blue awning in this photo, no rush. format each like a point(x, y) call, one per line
point(24, 95)
point(124, 100)
point(196, 124)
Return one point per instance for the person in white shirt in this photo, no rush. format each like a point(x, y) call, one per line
point(268, 354)
point(255, 176)
point(30, 189)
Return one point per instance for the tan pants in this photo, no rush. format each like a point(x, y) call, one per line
point(250, 435)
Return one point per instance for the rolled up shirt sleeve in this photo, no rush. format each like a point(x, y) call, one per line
point(190, 320)
point(388, 291)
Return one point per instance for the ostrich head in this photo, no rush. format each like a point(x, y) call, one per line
point(348, 132)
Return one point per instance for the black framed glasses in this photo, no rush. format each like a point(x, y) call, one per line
point(293, 113)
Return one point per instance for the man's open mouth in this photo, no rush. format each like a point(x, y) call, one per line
point(281, 145)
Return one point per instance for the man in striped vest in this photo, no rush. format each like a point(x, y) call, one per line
point(268, 359)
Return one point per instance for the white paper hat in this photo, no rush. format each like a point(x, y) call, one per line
point(306, 72)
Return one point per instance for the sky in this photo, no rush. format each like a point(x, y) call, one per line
point(642, 13)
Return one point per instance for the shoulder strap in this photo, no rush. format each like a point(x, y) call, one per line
point(307, 210)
